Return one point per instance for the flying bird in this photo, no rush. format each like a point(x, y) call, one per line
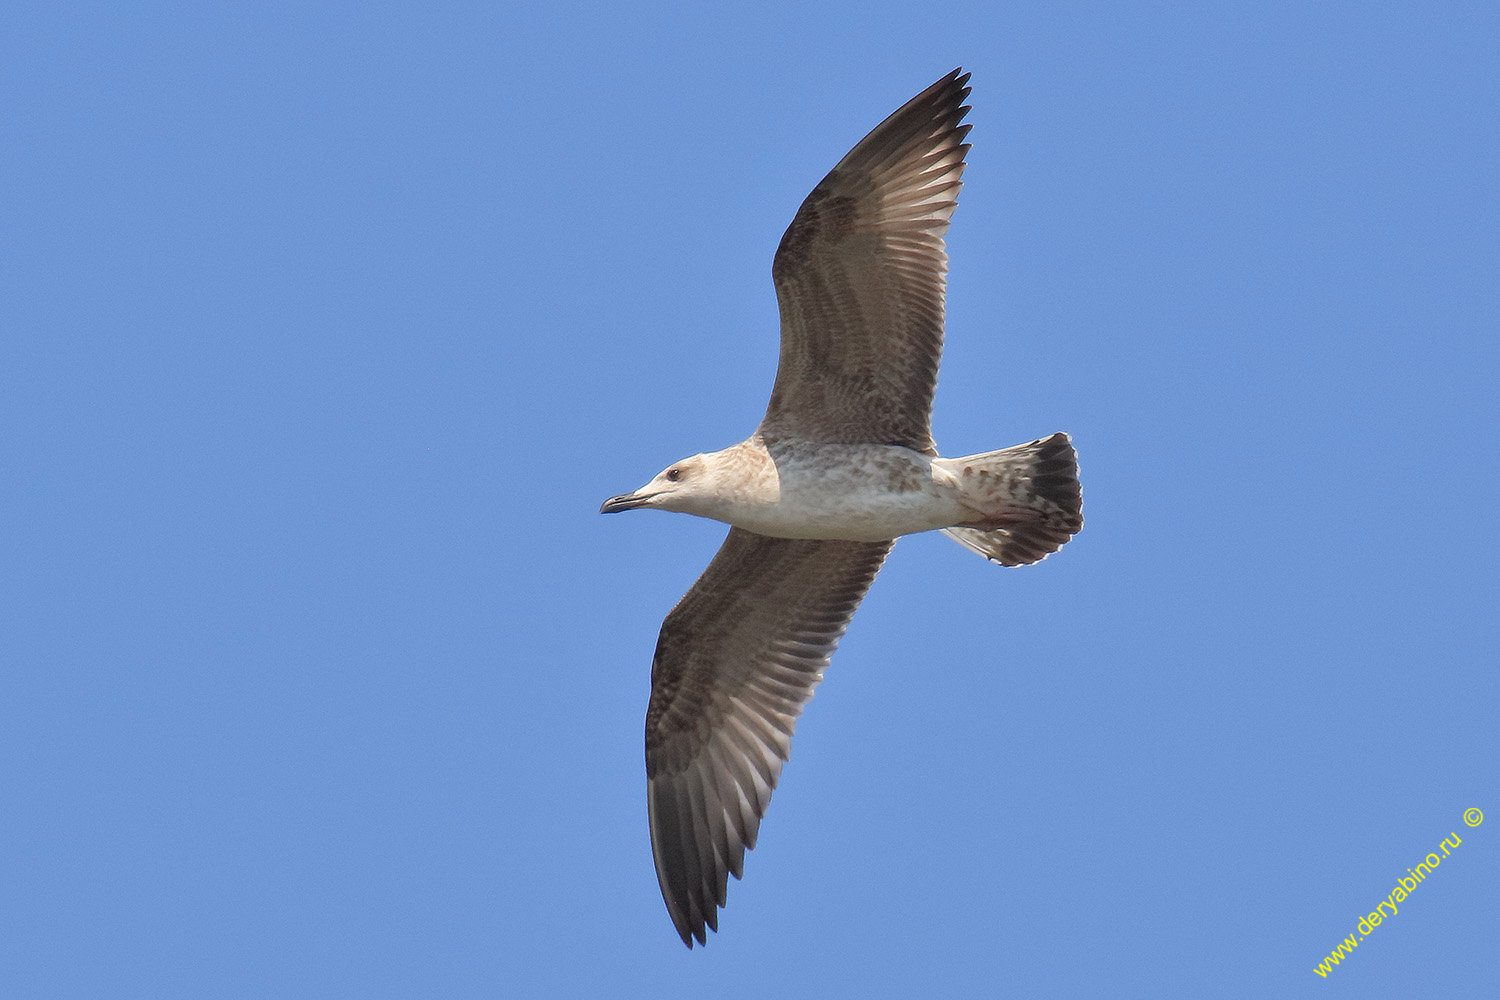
point(842, 464)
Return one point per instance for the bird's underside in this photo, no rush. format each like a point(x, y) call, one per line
point(860, 279)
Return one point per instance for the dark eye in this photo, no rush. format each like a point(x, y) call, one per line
point(674, 474)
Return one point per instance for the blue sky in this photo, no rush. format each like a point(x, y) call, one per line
point(326, 328)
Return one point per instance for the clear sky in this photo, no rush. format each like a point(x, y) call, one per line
point(326, 328)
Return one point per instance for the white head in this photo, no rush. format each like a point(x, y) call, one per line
point(688, 486)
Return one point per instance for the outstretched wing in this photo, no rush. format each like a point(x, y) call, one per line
point(860, 278)
point(738, 658)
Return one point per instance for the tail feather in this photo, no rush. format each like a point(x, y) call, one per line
point(1031, 489)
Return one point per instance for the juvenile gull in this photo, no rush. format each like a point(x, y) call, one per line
point(842, 464)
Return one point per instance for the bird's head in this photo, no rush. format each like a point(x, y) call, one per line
point(686, 486)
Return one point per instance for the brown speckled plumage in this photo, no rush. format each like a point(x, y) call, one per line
point(842, 463)
point(860, 278)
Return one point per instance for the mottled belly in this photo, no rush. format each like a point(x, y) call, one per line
point(856, 493)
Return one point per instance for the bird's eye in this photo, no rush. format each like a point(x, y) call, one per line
point(674, 474)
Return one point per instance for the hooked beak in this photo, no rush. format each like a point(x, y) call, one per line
point(628, 501)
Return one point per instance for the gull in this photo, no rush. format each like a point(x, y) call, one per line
point(842, 464)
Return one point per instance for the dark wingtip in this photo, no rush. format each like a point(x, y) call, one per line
point(688, 930)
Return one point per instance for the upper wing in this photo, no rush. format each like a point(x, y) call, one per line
point(860, 276)
point(737, 660)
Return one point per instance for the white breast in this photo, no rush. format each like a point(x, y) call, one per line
point(852, 492)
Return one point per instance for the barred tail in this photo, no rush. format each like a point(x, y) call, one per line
point(1031, 489)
